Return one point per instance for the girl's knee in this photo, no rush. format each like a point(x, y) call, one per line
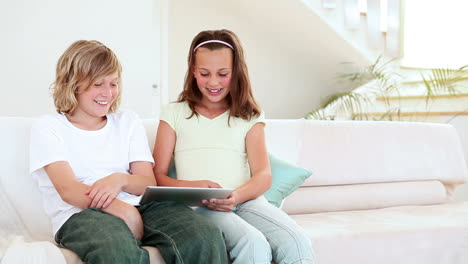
point(296, 248)
point(252, 247)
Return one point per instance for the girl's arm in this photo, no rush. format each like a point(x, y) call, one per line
point(162, 154)
point(74, 192)
point(259, 164)
point(260, 181)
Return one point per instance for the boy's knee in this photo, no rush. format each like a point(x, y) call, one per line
point(205, 230)
point(118, 251)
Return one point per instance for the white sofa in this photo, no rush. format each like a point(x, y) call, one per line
point(380, 192)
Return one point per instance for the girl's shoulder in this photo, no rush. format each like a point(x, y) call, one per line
point(260, 118)
point(176, 109)
point(176, 106)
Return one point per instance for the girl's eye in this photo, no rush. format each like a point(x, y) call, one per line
point(97, 84)
point(204, 74)
point(223, 74)
point(113, 84)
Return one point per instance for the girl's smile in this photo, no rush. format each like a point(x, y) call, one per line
point(213, 70)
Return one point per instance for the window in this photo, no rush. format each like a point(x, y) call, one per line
point(435, 34)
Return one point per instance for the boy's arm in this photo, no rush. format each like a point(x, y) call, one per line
point(162, 154)
point(74, 192)
point(69, 188)
point(105, 190)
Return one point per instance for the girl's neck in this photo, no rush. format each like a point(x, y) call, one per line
point(213, 106)
point(86, 123)
point(211, 110)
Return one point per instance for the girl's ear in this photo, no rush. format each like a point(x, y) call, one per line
point(192, 70)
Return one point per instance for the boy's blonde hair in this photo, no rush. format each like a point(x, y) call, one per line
point(83, 63)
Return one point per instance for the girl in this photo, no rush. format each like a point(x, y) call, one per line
point(215, 133)
point(92, 163)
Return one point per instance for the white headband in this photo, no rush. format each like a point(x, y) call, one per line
point(213, 41)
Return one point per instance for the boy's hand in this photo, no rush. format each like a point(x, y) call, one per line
point(104, 191)
point(222, 205)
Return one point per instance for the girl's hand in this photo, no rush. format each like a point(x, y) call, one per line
point(104, 191)
point(204, 184)
point(222, 205)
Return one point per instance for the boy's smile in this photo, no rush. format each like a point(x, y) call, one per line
point(94, 101)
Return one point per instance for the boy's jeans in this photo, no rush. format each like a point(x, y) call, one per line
point(180, 235)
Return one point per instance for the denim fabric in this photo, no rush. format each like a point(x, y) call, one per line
point(180, 235)
point(256, 232)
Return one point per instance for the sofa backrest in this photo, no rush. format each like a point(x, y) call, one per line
point(338, 152)
point(360, 165)
point(354, 152)
point(21, 201)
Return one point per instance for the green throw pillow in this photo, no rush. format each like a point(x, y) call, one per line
point(172, 170)
point(286, 179)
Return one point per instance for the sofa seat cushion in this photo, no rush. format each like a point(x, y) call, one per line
point(433, 234)
point(347, 197)
point(72, 258)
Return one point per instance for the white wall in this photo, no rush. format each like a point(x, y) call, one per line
point(34, 33)
point(293, 56)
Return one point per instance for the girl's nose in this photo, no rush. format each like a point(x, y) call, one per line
point(213, 81)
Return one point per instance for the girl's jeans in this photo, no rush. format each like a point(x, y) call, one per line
point(180, 235)
point(256, 229)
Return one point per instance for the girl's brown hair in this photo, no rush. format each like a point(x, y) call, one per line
point(83, 63)
point(240, 98)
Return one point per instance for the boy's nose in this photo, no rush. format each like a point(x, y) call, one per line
point(107, 91)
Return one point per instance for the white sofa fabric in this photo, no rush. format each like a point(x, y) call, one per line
point(380, 192)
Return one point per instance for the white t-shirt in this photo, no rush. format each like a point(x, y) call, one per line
point(210, 149)
point(92, 155)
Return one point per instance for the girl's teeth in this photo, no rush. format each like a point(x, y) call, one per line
point(101, 102)
point(214, 91)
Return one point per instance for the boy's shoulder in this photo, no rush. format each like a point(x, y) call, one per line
point(124, 116)
point(48, 120)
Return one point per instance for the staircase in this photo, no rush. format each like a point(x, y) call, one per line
point(371, 26)
point(412, 102)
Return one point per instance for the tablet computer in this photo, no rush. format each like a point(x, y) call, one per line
point(187, 195)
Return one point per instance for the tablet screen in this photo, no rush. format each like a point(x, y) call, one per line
point(186, 195)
